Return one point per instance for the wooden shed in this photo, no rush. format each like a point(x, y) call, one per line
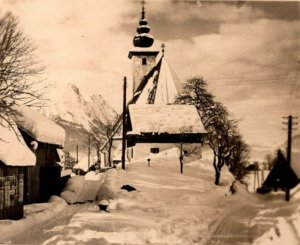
point(44, 137)
point(281, 176)
point(15, 158)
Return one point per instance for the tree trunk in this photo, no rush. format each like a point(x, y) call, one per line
point(217, 177)
point(217, 171)
point(181, 158)
point(109, 153)
point(181, 165)
point(98, 152)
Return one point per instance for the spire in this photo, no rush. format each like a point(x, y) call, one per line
point(143, 9)
point(143, 39)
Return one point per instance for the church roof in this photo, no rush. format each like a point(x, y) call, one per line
point(160, 86)
point(172, 119)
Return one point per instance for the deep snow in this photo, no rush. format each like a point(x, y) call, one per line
point(167, 208)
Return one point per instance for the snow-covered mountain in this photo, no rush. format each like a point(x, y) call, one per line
point(70, 109)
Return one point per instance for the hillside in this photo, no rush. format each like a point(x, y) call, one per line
point(71, 110)
point(259, 152)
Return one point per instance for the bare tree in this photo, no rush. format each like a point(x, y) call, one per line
point(221, 134)
point(239, 161)
point(18, 70)
point(101, 136)
point(185, 148)
point(97, 136)
point(69, 161)
point(221, 129)
point(269, 158)
point(108, 135)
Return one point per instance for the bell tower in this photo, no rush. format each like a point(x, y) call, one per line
point(143, 55)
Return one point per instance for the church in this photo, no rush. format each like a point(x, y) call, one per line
point(155, 124)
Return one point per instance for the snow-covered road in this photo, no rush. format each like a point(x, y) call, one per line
point(48, 228)
point(233, 228)
point(168, 208)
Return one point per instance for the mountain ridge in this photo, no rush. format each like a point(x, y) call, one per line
point(72, 111)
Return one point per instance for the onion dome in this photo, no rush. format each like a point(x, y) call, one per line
point(143, 39)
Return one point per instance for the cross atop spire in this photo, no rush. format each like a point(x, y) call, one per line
point(143, 39)
point(143, 2)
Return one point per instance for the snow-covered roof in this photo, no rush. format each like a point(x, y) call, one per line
point(13, 149)
point(163, 83)
point(173, 119)
point(39, 127)
point(168, 85)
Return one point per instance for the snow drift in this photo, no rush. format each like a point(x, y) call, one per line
point(93, 186)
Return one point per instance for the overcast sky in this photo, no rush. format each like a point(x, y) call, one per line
point(247, 51)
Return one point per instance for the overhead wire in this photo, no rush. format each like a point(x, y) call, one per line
point(244, 82)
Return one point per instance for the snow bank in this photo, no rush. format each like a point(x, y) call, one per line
point(282, 233)
point(34, 214)
point(40, 127)
point(86, 188)
point(108, 188)
point(13, 149)
point(92, 175)
point(83, 163)
point(72, 190)
point(282, 221)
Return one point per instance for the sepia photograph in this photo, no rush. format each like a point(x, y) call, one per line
point(138, 122)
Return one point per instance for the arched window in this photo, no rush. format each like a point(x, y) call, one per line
point(144, 61)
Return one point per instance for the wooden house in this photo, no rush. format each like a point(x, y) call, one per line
point(15, 158)
point(44, 137)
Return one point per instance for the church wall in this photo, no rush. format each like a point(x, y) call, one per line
point(139, 70)
point(142, 151)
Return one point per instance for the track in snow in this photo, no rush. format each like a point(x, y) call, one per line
point(48, 228)
point(233, 228)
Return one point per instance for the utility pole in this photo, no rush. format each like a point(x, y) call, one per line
point(77, 153)
point(89, 152)
point(290, 124)
point(124, 123)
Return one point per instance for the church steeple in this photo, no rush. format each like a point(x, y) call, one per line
point(143, 39)
point(143, 54)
